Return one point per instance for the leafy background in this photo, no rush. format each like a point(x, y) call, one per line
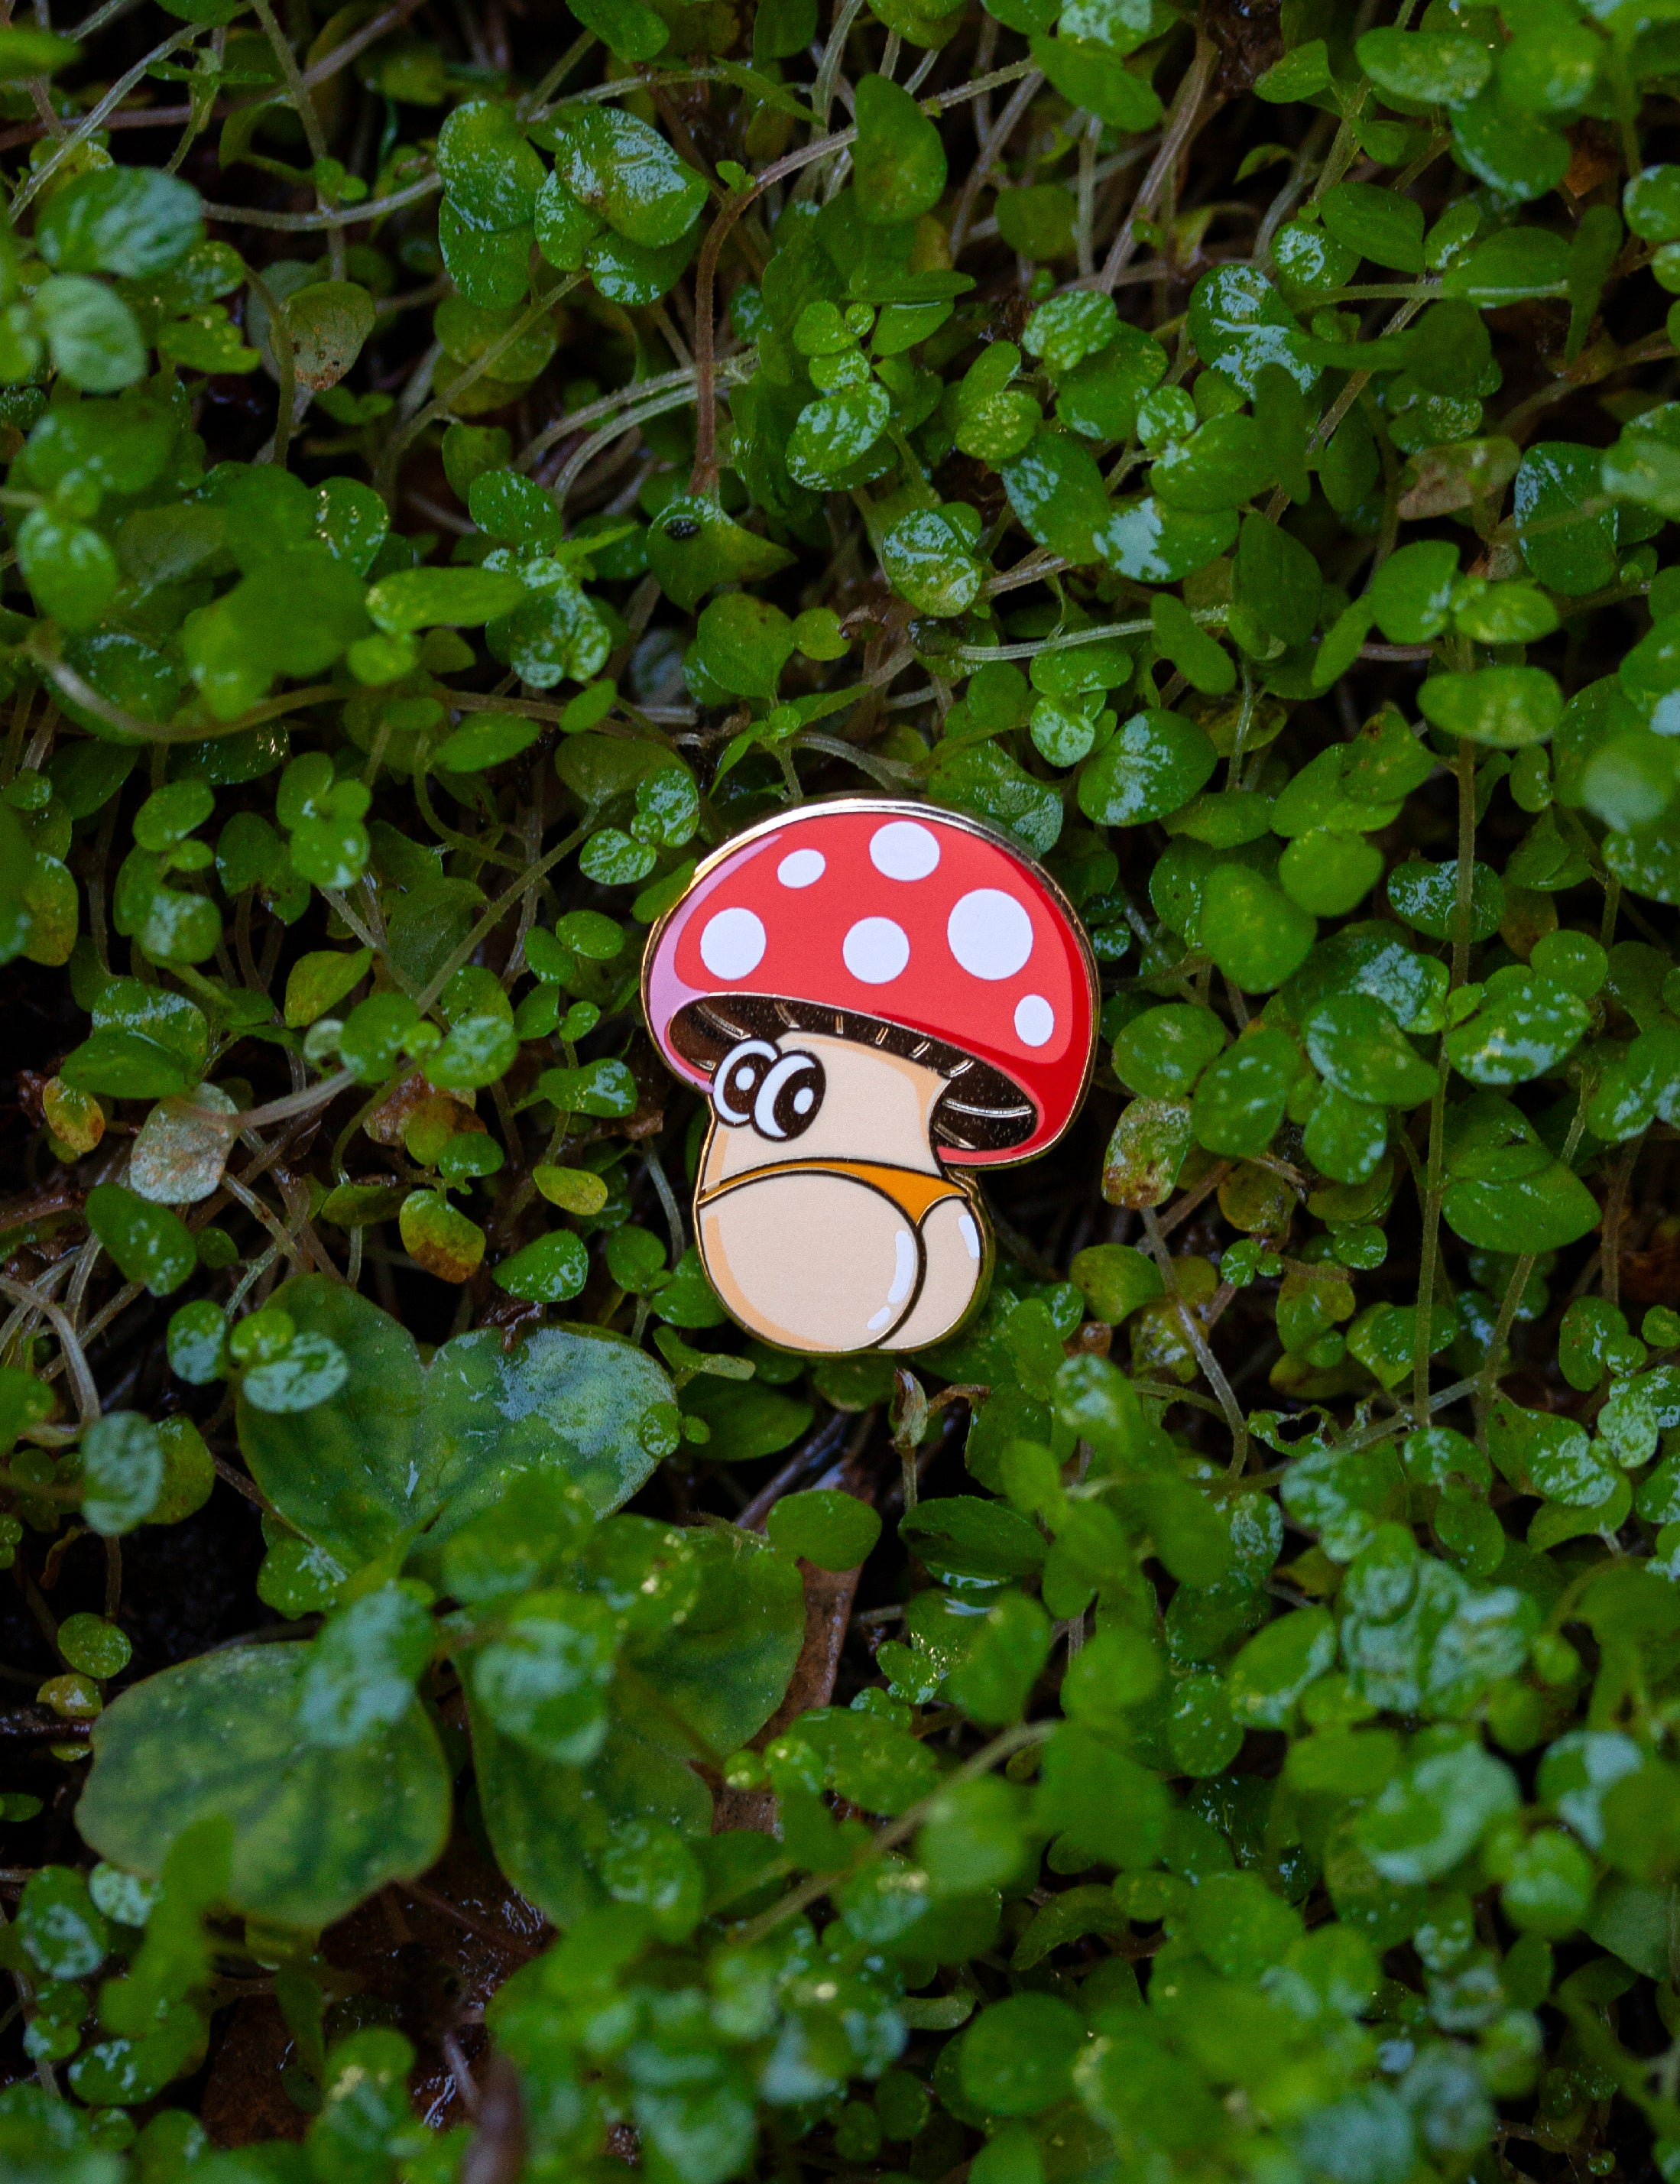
point(469, 1713)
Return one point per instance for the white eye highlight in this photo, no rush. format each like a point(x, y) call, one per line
point(736, 1083)
point(781, 1099)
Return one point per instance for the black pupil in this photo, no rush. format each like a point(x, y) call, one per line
point(798, 1098)
point(744, 1083)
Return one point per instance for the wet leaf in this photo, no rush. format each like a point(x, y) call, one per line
point(400, 1448)
point(182, 1147)
point(315, 1828)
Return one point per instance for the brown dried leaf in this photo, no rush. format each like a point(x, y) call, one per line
point(182, 1147)
point(76, 1119)
point(1146, 1152)
point(386, 1125)
point(329, 322)
point(439, 1238)
point(1439, 481)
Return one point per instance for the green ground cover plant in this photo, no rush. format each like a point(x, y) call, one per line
point(471, 1713)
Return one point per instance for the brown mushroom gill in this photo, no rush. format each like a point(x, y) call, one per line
point(979, 1110)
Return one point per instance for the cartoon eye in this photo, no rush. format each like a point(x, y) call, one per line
point(789, 1098)
point(739, 1075)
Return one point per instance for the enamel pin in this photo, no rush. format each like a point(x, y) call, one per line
point(877, 998)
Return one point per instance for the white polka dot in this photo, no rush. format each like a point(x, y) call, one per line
point(1034, 1020)
point(990, 934)
point(732, 943)
point(902, 850)
point(875, 950)
point(803, 868)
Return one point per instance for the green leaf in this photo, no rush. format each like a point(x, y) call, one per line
point(900, 159)
point(1153, 764)
point(985, 780)
point(1069, 327)
point(1524, 1028)
point(746, 1422)
point(25, 51)
point(69, 567)
point(1531, 1213)
point(1256, 934)
point(136, 220)
point(1426, 897)
point(1240, 323)
point(491, 266)
point(1018, 2057)
point(1644, 464)
point(1152, 543)
point(1090, 75)
point(1225, 462)
point(360, 1675)
point(1509, 707)
point(1508, 267)
point(834, 1531)
point(834, 434)
point(625, 172)
point(63, 1934)
point(1377, 224)
point(1278, 1665)
point(1411, 594)
point(1432, 1815)
point(1356, 1045)
point(150, 1244)
point(1277, 580)
point(961, 1537)
point(1115, 1280)
point(316, 1829)
point(550, 1270)
point(93, 337)
point(1303, 73)
point(488, 167)
point(542, 1679)
point(1239, 1102)
point(1057, 492)
point(633, 31)
point(744, 643)
point(693, 547)
point(1162, 1052)
point(420, 598)
point(146, 1044)
point(721, 1673)
point(1038, 221)
point(122, 1471)
point(1427, 68)
point(399, 1448)
point(926, 558)
point(1097, 396)
point(319, 982)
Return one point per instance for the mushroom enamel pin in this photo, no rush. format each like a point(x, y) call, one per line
point(877, 998)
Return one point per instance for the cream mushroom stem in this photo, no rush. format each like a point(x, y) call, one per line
point(843, 1233)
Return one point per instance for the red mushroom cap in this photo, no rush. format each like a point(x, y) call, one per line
point(907, 917)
